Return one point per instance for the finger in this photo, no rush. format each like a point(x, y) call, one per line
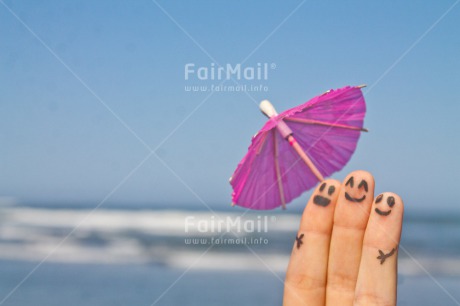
point(377, 278)
point(350, 220)
point(307, 271)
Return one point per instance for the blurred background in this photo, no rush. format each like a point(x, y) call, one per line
point(107, 147)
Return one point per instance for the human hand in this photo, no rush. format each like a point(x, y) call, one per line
point(346, 249)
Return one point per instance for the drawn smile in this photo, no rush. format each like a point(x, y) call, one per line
point(390, 202)
point(321, 201)
point(382, 213)
point(363, 186)
point(349, 198)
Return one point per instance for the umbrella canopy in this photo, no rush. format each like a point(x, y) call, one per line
point(297, 148)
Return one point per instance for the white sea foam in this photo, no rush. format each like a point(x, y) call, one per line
point(108, 236)
point(153, 222)
point(146, 236)
point(167, 222)
point(229, 261)
point(430, 265)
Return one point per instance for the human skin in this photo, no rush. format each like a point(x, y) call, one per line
point(346, 249)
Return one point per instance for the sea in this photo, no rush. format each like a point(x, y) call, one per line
point(139, 255)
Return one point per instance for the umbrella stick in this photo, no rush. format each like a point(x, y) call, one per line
point(278, 171)
point(304, 157)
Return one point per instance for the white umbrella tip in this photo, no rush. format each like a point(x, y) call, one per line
point(267, 108)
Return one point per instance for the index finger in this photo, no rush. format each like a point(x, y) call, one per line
point(307, 271)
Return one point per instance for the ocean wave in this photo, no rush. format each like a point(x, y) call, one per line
point(159, 237)
point(165, 222)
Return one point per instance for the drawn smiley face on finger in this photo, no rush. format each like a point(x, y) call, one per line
point(390, 203)
point(322, 200)
point(361, 186)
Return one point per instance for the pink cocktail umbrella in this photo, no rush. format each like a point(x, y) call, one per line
point(299, 147)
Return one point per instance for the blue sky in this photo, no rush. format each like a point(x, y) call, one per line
point(60, 144)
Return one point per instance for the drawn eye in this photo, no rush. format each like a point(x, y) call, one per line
point(363, 183)
point(331, 190)
point(379, 199)
point(322, 187)
point(350, 182)
point(391, 201)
